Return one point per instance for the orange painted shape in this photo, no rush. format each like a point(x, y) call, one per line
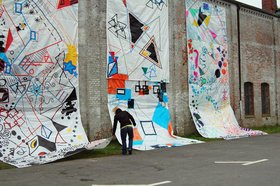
point(116, 81)
point(136, 135)
point(120, 77)
point(113, 84)
point(170, 130)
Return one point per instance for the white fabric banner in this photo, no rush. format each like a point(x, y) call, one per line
point(138, 44)
point(39, 106)
point(209, 92)
point(150, 110)
point(138, 70)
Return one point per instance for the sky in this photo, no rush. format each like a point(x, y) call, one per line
point(256, 3)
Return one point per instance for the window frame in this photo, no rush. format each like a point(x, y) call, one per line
point(249, 99)
point(265, 93)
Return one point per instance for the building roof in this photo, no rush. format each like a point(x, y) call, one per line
point(239, 4)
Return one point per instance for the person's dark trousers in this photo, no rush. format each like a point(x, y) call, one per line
point(124, 132)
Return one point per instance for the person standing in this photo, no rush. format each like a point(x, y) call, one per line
point(126, 124)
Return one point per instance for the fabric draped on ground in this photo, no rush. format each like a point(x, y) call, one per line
point(209, 92)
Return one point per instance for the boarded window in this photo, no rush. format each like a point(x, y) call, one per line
point(265, 99)
point(249, 98)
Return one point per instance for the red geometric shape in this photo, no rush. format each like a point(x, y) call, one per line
point(116, 81)
point(124, 2)
point(47, 58)
point(9, 40)
point(65, 3)
point(141, 92)
point(112, 54)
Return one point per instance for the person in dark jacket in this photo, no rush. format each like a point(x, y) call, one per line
point(127, 122)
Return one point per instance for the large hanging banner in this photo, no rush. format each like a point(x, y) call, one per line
point(209, 92)
point(138, 69)
point(147, 102)
point(138, 43)
point(39, 107)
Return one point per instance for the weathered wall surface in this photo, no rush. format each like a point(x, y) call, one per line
point(92, 61)
point(178, 87)
point(260, 62)
point(277, 62)
point(232, 29)
point(92, 64)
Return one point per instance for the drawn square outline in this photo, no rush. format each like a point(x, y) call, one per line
point(155, 89)
point(121, 91)
point(151, 131)
point(18, 8)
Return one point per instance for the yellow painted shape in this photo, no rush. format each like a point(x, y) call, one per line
point(23, 25)
point(195, 23)
point(207, 20)
point(146, 53)
point(80, 137)
point(69, 130)
point(72, 55)
point(0, 2)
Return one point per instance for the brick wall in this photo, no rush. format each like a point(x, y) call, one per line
point(260, 62)
point(269, 5)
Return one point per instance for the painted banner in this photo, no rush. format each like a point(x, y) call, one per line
point(138, 70)
point(138, 42)
point(39, 107)
point(147, 102)
point(209, 92)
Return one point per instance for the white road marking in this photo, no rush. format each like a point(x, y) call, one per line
point(154, 184)
point(241, 162)
point(231, 162)
point(160, 183)
point(91, 160)
point(254, 162)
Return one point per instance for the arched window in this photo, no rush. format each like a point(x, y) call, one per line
point(265, 99)
point(249, 98)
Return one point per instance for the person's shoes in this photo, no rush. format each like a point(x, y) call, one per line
point(124, 153)
point(130, 152)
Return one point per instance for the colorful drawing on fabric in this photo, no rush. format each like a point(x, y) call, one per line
point(39, 107)
point(138, 70)
point(138, 44)
point(209, 92)
point(148, 104)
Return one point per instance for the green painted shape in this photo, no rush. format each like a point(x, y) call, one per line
point(194, 12)
point(145, 69)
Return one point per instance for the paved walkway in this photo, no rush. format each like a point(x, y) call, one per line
point(253, 161)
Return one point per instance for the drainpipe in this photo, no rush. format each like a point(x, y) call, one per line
point(239, 62)
point(275, 71)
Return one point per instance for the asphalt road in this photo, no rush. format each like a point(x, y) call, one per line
point(193, 165)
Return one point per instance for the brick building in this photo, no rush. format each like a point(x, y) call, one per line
point(254, 55)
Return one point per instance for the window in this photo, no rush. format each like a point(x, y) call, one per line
point(265, 99)
point(249, 98)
